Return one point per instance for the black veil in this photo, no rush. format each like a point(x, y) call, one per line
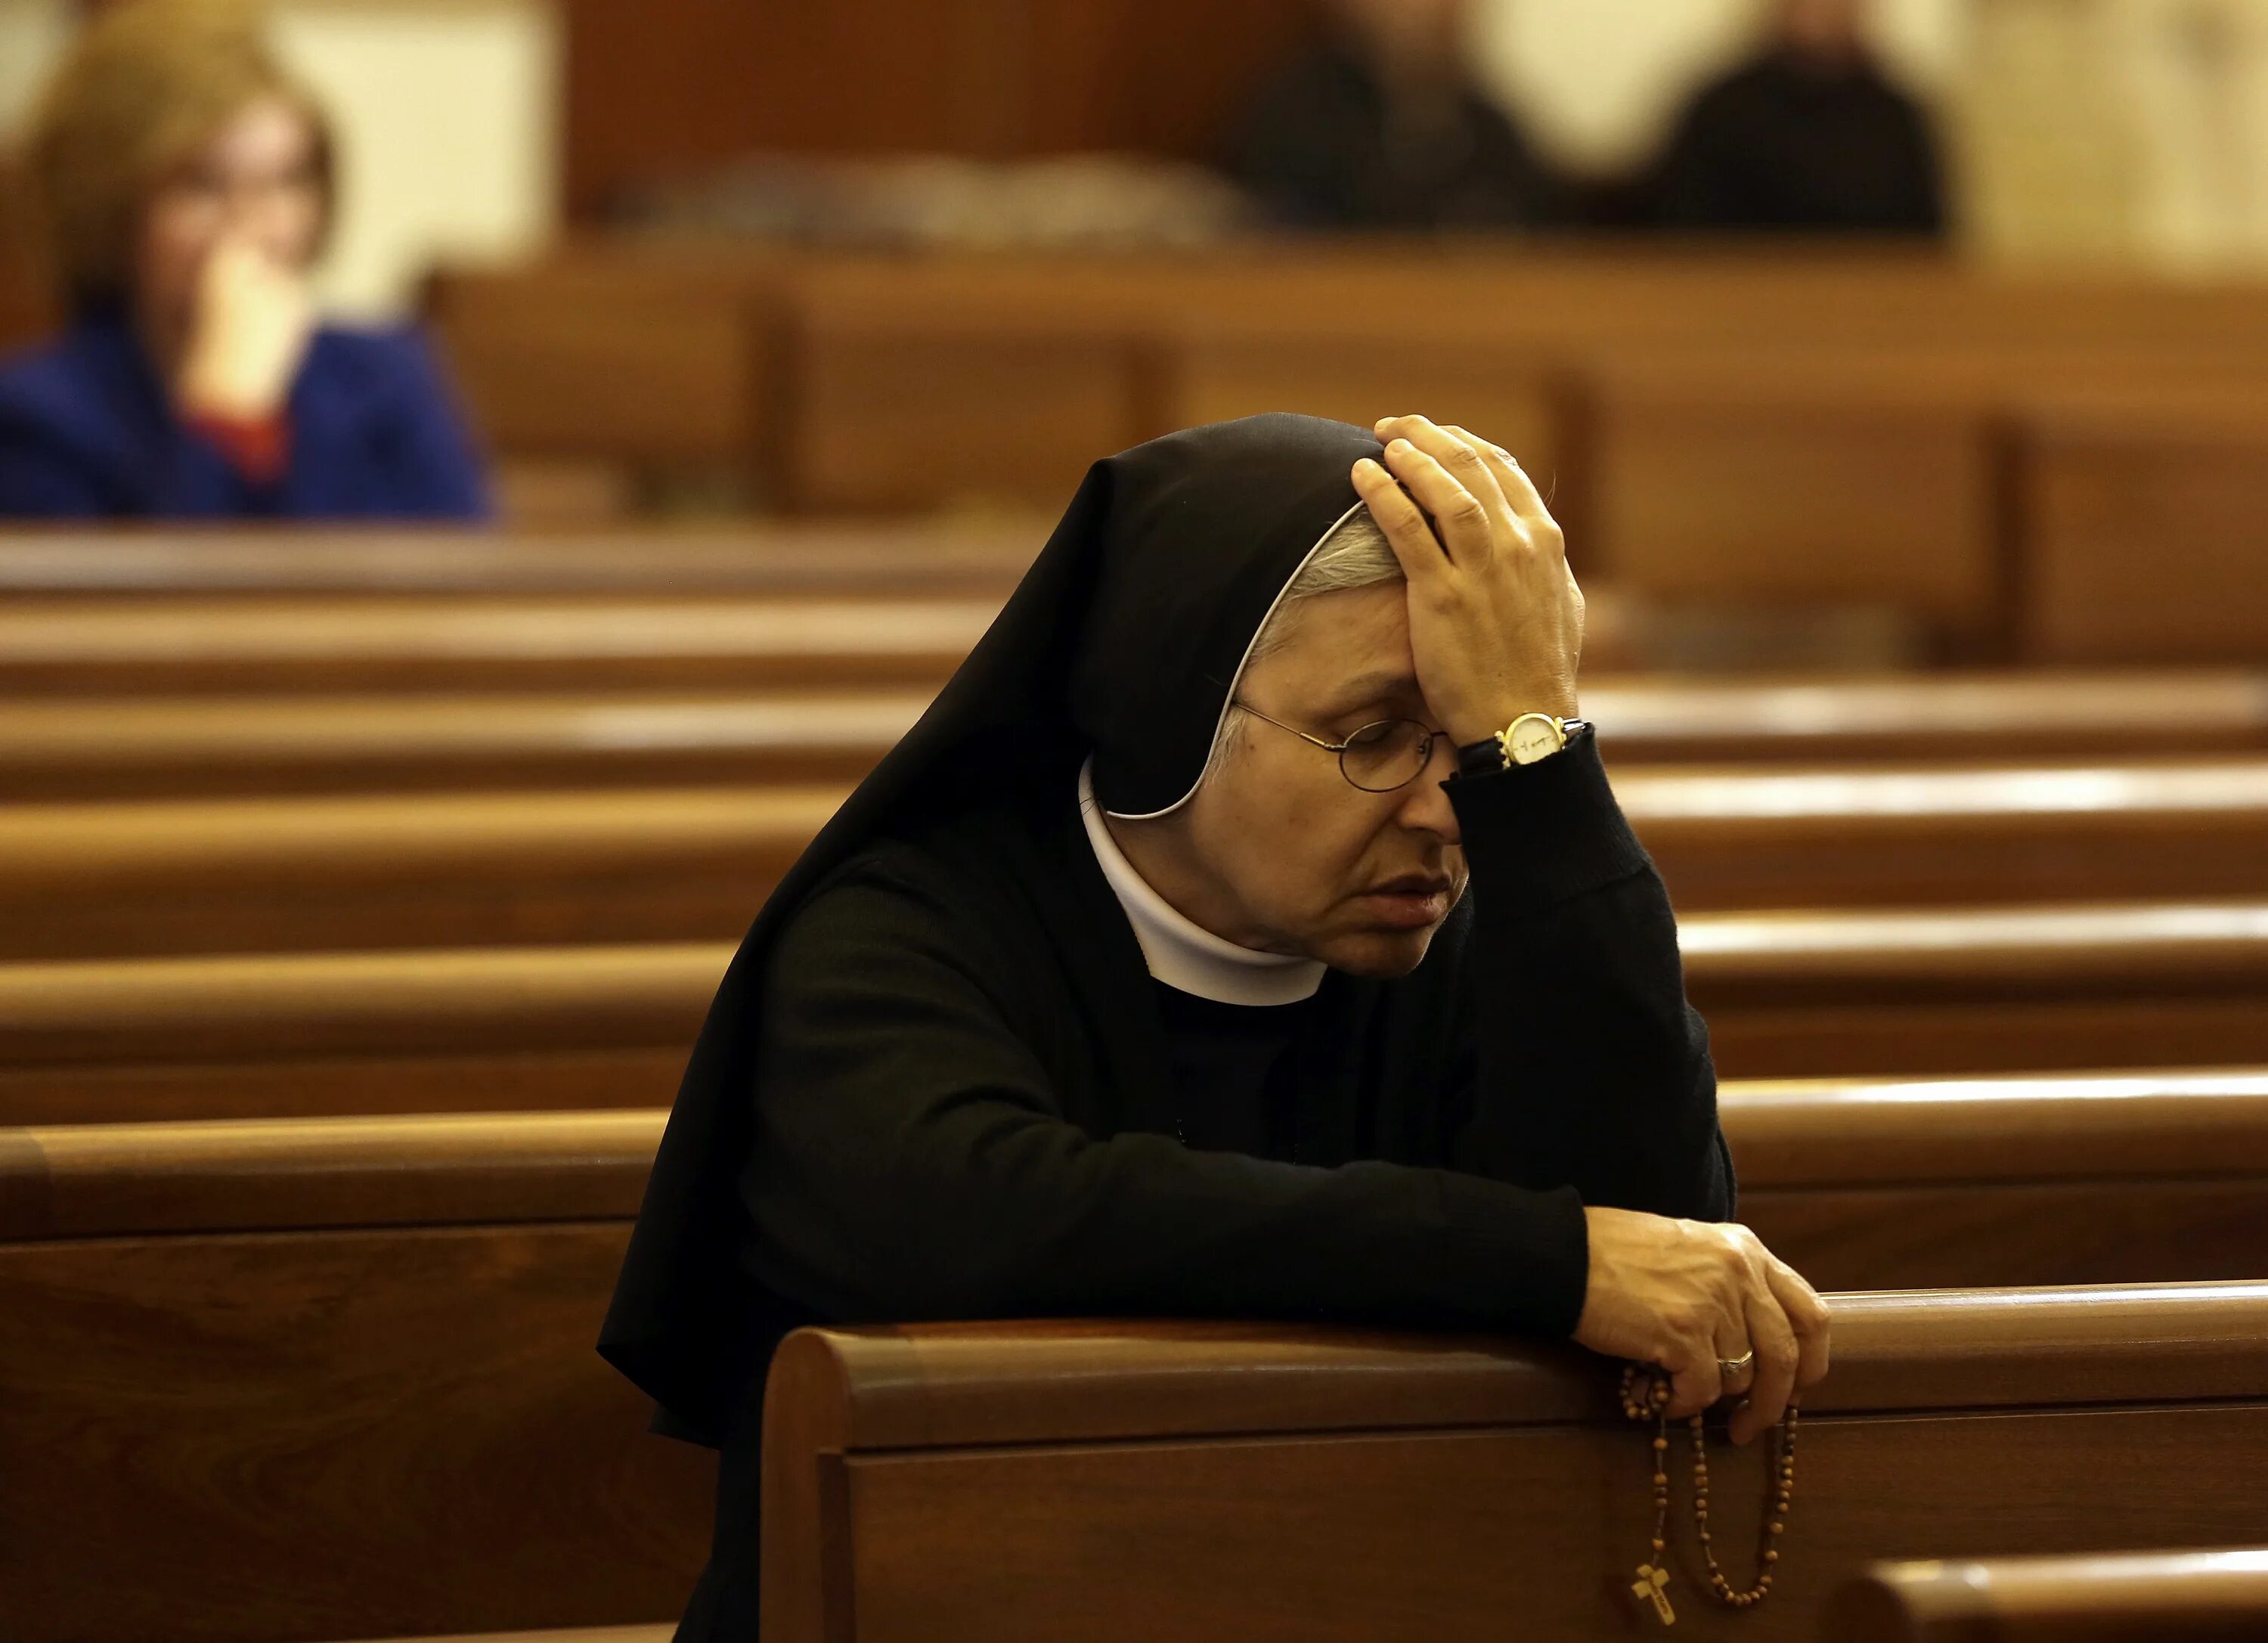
point(1127, 634)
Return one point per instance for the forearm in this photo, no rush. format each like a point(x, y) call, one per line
point(992, 1213)
point(1591, 1068)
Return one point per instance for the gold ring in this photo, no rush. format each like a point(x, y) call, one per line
point(1730, 1366)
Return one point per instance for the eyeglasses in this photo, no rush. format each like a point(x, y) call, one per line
point(1382, 755)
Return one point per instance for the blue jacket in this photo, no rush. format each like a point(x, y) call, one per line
point(86, 431)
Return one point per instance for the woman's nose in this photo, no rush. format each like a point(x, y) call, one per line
point(1427, 808)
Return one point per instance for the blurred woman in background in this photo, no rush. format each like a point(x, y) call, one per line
point(186, 183)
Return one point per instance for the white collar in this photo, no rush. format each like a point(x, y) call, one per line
point(1183, 955)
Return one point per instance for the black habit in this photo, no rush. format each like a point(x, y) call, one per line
point(938, 1082)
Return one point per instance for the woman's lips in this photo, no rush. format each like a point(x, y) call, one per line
point(1409, 907)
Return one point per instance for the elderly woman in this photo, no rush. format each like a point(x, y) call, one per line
point(187, 186)
point(1248, 930)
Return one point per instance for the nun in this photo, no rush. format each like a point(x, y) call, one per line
point(1247, 931)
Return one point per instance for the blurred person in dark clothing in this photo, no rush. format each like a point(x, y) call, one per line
point(186, 182)
point(1808, 135)
point(1380, 125)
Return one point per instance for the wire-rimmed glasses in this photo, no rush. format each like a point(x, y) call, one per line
point(1380, 757)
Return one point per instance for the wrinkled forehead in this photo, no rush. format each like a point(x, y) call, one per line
point(1341, 650)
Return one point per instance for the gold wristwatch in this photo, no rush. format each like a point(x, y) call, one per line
point(1530, 737)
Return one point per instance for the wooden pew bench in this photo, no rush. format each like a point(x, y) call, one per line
point(266, 1390)
point(102, 747)
point(2143, 519)
point(2094, 1178)
point(1981, 989)
point(685, 863)
point(258, 1343)
point(1197, 1481)
point(194, 747)
point(768, 557)
point(158, 646)
point(1903, 835)
point(1818, 995)
point(2041, 1179)
point(2218, 1596)
point(262, 1035)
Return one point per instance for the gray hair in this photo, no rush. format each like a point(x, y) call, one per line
point(1353, 554)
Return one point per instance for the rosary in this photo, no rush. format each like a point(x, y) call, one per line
point(1654, 1574)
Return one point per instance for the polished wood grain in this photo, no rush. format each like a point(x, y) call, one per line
point(2142, 519)
point(337, 871)
point(307, 1035)
point(274, 1435)
point(1990, 989)
point(771, 557)
point(1816, 995)
point(2202, 1596)
point(566, 1634)
point(161, 747)
point(152, 646)
point(2096, 1178)
point(155, 747)
point(1196, 1482)
point(1906, 835)
point(2041, 1179)
point(82, 1181)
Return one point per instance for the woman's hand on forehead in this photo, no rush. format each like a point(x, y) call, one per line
point(1496, 620)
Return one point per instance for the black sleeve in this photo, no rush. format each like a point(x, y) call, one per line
point(912, 1162)
point(1587, 1066)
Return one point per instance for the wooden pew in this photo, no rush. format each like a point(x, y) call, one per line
point(1787, 995)
point(142, 748)
point(258, 1343)
point(2142, 520)
point(105, 748)
point(156, 646)
point(563, 1634)
point(1980, 989)
point(2122, 1597)
point(333, 1034)
point(2094, 1178)
point(2037, 1179)
point(265, 1388)
point(658, 366)
point(1215, 1480)
point(656, 864)
point(1903, 835)
point(803, 557)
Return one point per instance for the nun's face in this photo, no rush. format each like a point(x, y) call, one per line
point(1276, 850)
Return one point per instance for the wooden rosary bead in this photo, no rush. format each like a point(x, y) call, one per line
point(1653, 1576)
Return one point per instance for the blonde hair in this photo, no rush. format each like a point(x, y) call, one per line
point(147, 84)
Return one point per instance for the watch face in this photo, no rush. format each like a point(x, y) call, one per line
point(1531, 738)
